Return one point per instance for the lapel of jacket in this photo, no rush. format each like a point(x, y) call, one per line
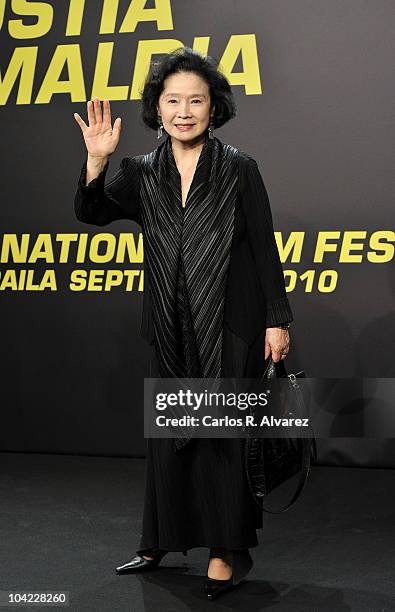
point(201, 234)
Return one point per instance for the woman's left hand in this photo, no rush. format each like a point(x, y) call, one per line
point(277, 343)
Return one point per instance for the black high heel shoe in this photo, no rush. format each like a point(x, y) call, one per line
point(241, 564)
point(139, 564)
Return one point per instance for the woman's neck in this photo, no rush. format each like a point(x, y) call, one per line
point(184, 151)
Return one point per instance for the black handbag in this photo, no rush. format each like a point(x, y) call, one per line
point(270, 462)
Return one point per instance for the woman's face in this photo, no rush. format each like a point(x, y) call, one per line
point(184, 106)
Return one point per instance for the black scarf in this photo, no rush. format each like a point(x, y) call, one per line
point(187, 252)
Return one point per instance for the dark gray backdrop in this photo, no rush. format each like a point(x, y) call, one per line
point(322, 132)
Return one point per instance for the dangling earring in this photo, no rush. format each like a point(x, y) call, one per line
point(160, 127)
point(211, 129)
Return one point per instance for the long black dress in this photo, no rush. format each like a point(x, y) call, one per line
point(198, 497)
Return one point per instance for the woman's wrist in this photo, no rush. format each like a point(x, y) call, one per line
point(97, 162)
point(94, 166)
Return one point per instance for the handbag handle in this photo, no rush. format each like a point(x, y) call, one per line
point(278, 368)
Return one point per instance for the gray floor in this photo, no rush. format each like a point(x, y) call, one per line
point(67, 521)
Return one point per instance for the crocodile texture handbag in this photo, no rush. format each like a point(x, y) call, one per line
point(269, 462)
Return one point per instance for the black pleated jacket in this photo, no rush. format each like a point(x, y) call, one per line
point(255, 296)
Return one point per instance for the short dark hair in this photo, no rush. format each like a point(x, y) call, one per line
point(185, 59)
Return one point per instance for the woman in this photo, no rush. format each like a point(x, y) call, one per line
point(215, 303)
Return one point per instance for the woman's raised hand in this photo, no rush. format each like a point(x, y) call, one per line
point(101, 138)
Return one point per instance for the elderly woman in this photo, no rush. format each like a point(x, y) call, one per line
point(215, 303)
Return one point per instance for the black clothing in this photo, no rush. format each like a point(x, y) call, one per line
point(255, 295)
point(197, 238)
point(189, 364)
point(198, 496)
point(186, 349)
point(201, 235)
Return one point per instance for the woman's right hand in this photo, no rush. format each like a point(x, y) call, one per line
point(100, 138)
